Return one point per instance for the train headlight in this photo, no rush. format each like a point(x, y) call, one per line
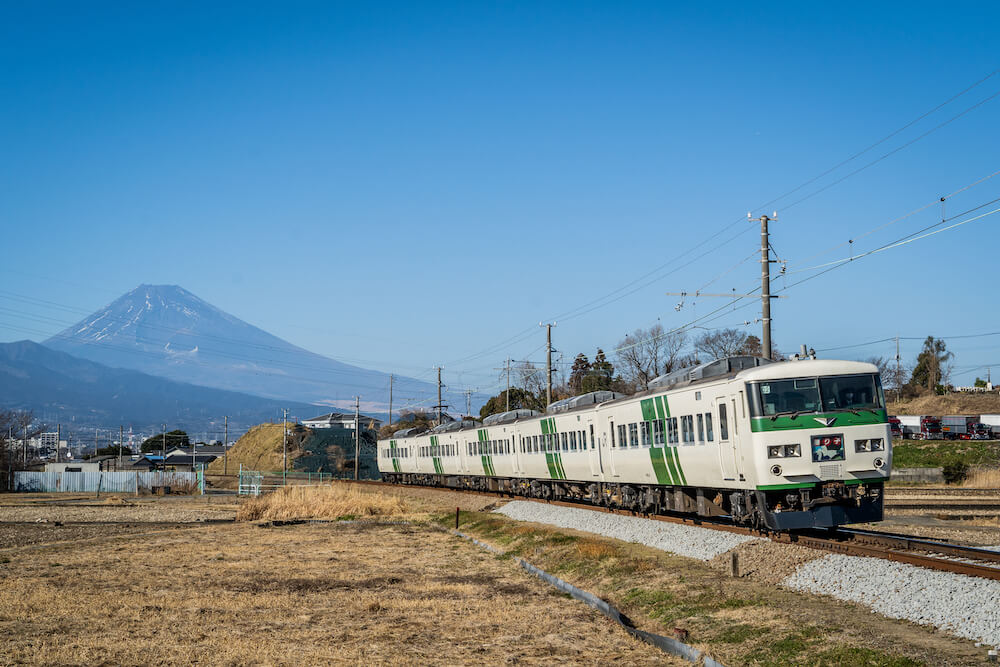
point(869, 445)
point(783, 451)
point(878, 463)
point(775, 470)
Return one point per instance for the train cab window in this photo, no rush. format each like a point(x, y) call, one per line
point(701, 428)
point(647, 437)
point(708, 427)
point(633, 434)
point(658, 433)
point(622, 442)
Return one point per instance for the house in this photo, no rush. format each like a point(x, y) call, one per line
point(342, 420)
point(189, 463)
point(73, 466)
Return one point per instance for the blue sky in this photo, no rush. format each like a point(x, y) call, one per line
point(460, 172)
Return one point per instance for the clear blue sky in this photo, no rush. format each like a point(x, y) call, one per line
point(442, 177)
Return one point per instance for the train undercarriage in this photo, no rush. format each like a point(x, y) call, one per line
point(823, 505)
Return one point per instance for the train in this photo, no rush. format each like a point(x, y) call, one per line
point(772, 445)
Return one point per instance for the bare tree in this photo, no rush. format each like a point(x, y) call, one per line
point(529, 378)
point(721, 343)
point(646, 353)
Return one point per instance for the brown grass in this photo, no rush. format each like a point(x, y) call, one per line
point(950, 404)
point(983, 478)
point(316, 502)
point(309, 594)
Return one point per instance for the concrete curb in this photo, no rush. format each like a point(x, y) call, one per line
point(665, 644)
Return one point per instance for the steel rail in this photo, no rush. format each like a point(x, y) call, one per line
point(909, 549)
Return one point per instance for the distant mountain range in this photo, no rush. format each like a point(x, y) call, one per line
point(166, 331)
point(76, 392)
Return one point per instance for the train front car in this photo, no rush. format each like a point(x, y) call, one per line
point(820, 444)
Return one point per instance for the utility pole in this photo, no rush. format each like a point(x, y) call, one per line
point(390, 399)
point(357, 428)
point(225, 449)
point(59, 434)
point(440, 405)
point(96, 444)
point(163, 453)
point(548, 362)
point(899, 373)
point(765, 285)
point(121, 444)
point(284, 445)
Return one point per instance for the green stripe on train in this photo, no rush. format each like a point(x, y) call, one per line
point(438, 468)
point(836, 419)
point(552, 460)
point(559, 464)
point(675, 454)
point(648, 409)
point(659, 466)
point(488, 466)
point(395, 465)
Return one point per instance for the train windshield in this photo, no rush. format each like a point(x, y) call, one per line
point(824, 394)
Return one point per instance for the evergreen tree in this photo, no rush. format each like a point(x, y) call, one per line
point(580, 370)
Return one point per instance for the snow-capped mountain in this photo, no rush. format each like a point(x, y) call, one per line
point(166, 331)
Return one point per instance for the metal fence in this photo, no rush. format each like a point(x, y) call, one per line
point(110, 482)
point(255, 482)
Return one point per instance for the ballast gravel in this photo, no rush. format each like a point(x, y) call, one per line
point(690, 541)
point(965, 606)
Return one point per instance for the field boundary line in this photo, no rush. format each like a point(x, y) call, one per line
point(72, 543)
point(665, 644)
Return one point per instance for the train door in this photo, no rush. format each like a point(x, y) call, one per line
point(726, 414)
point(516, 455)
point(596, 465)
point(608, 445)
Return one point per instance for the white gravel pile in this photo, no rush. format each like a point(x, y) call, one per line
point(964, 606)
point(690, 541)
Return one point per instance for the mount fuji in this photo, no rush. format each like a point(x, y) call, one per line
point(166, 331)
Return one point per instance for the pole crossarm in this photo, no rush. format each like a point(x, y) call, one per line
point(697, 294)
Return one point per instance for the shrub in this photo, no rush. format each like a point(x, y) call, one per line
point(955, 473)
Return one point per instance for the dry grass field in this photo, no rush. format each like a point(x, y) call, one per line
point(319, 593)
point(363, 592)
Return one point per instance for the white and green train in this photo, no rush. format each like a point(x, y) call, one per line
point(774, 445)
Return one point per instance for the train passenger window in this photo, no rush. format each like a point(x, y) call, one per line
point(687, 429)
point(658, 433)
point(708, 427)
point(646, 429)
point(611, 427)
point(633, 434)
point(622, 442)
point(672, 430)
point(572, 441)
point(565, 443)
point(723, 423)
point(701, 428)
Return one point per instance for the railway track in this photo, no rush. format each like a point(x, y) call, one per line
point(922, 552)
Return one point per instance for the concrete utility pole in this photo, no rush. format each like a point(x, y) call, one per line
point(899, 373)
point(58, 440)
point(284, 445)
point(121, 444)
point(225, 449)
point(440, 405)
point(390, 399)
point(765, 285)
point(96, 444)
point(163, 452)
point(548, 362)
point(357, 428)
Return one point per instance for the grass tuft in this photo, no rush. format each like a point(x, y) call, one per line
point(319, 502)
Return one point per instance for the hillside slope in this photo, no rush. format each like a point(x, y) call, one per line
point(950, 404)
point(320, 450)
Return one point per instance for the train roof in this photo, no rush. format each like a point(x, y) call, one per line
point(712, 370)
point(582, 401)
point(508, 417)
point(807, 368)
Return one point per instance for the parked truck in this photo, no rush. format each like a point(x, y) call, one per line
point(895, 428)
point(921, 427)
point(957, 427)
point(993, 421)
